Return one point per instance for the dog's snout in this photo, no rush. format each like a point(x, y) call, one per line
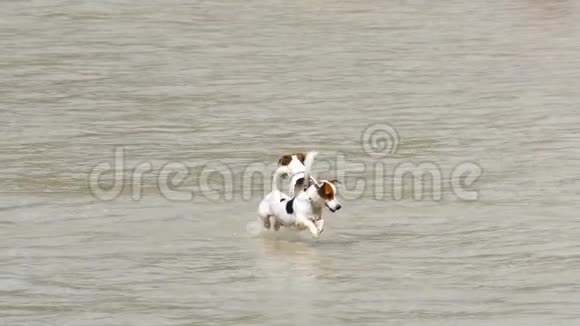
point(338, 207)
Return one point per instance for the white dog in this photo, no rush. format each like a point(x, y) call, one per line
point(299, 165)
point(303, 211)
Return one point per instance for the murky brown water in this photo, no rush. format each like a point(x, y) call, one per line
point(218, 85)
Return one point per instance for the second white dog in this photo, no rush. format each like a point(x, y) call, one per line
point(299, 165)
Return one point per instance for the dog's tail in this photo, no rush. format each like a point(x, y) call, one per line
point(308, 167)
point(284, 169)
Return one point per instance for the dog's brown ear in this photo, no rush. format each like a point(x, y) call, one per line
point(325, 191)
point(328, 190)
point(285, 160)
point(301, 157)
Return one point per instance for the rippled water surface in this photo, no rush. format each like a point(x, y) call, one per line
point(224, 86)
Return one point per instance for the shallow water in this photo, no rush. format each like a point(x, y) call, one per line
point(223, 88)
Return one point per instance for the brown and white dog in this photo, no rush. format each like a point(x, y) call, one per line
point(299, 165)
point(304, 211)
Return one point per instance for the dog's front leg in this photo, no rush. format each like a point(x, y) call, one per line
point(311, 226)
point(319, 225)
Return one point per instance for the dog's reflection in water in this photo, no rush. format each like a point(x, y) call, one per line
point(288, 251)
point(288, 244)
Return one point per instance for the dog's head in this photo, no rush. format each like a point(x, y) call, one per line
point(294, 161)
point(326, 189)
point(288, 158)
